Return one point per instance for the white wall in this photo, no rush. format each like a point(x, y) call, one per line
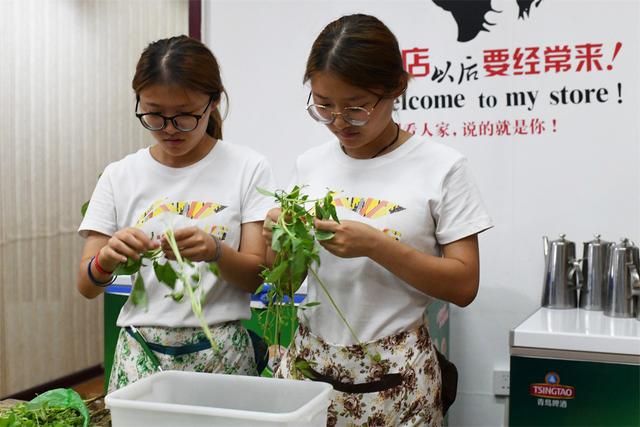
point(66, 107)
point(582, 179)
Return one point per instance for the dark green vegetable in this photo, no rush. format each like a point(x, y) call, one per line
point(294, 242)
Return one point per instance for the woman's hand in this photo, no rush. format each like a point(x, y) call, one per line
point(267, 225)
point(193, 243)
point(352, 238)
point(126, 243)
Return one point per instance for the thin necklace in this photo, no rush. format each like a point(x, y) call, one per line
point(383, 148)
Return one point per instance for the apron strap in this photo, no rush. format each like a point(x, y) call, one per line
point(133, 332)
point(203, 344)
point(384, 383)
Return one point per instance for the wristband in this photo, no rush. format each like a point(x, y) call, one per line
point(98, 266)
point(94, 280)
point(216, 256)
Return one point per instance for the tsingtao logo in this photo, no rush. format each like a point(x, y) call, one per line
point(552, 388)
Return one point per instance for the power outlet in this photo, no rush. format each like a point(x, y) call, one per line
point(501, 383)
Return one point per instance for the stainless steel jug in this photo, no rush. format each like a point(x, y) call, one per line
point(594, 272)
point(623, 281)
point(562, 274)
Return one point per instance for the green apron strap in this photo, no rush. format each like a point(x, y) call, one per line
point(136, 335)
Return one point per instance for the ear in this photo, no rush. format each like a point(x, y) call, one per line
point(403, 84)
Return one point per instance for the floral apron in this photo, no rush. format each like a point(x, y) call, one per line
point(184, 349)
point(395, 382)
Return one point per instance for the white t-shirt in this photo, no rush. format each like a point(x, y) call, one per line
point(422, 194)
point(217, 194)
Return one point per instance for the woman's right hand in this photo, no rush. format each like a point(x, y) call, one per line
point(126, 243)
point(267, 225)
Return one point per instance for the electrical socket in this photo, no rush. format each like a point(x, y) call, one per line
point(501, 383)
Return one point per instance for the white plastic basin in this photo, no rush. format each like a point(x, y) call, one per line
point(176, 398)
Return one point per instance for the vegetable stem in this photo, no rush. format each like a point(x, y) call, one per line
point(196, 307)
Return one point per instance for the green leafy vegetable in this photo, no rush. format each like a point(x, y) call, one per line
point(190, 283)
point(130, 267)
point(305, 368)
point(83, 208)
point(294, 242)
point(60, 407)
point(139, 293)
point(323, 235)
point(166, 274)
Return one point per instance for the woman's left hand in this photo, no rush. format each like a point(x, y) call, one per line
point(193, 243)
point(352, 238)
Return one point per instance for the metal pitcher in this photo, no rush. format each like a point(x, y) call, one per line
point(562, 274)
point(623, 281)
point(594, 272)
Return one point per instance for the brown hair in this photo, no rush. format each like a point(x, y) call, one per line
point(186, 62)
point(363, 52)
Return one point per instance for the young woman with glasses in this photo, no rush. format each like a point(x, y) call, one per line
point(409, 215)
point(201, 186)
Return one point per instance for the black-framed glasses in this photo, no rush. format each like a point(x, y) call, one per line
point(355, 116)
point(183, 122)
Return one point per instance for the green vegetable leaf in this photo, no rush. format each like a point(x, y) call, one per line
point(300, 266)
point(295, 192)
point(177, 296)
point(165, 273)
point(138, 293)
point(265, 192)
point(130, 267)
point(301, 230)
point(320, 214)
point(153, 254)
point(276, 238)
point(276, 273)
point(213, 267)
point(83, 208)
point(305, 368)
point(324, 235)
point(333, 213)
point(315, 257)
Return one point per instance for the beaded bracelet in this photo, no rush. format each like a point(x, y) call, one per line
point(216, 256)
point(94, 280)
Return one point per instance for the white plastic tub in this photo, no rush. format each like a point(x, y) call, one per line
point(175, 398)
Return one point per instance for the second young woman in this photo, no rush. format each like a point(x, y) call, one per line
point(409, 218)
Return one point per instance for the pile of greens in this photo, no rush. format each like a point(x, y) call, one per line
point(61, 407)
